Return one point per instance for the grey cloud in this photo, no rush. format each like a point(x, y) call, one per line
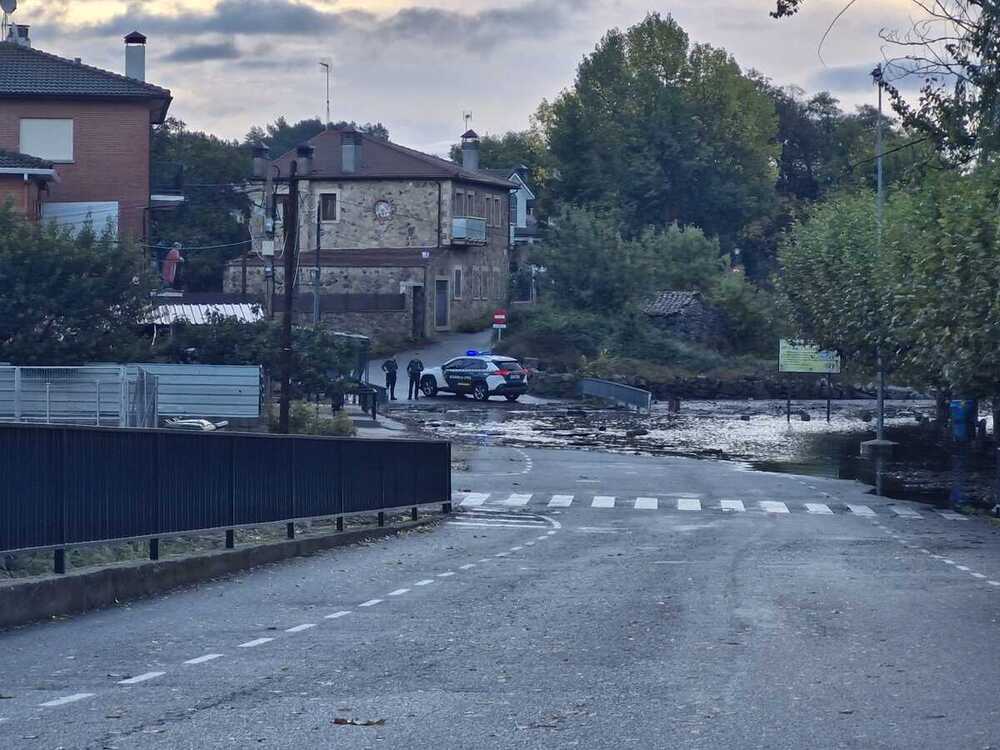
point(196, 53)
point(475, 31)
point(854, 78)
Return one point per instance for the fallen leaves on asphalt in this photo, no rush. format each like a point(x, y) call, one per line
point(359, 722)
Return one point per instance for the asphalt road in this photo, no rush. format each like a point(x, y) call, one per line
point(591, 621)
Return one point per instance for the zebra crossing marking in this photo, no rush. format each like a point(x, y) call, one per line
point(950, 515)
point(819, 508)
point(603, 501)
point(861, 510)
point(731, 506)
point(773, 506)
point(561, 501)
point(517, 500)
point(647, 503)
point(906, 512)
point(474, 499)
point(688, 503)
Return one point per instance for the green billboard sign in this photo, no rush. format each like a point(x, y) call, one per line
point(797, 357)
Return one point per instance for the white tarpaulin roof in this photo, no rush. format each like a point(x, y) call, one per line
point(245, 312)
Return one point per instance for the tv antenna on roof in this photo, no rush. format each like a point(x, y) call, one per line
point(8, 6)
point(466, 115)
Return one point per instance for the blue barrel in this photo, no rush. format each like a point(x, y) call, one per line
point(963, 419)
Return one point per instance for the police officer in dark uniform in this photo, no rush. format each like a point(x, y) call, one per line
point(389, 367)
point(415, 369)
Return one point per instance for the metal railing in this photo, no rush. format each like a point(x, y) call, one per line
point(623, 395)
point(65, 486)
point(468, 230)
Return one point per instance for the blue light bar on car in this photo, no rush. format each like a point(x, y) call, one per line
point(472, 353)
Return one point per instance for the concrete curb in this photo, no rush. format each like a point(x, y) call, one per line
point(28, 601)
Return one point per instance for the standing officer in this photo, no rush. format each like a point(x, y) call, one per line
point(415, 370)
point(389, 367)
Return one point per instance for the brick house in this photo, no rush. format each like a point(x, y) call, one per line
point(91, 124)
point(393, 243)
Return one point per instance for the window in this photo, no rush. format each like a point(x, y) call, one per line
point(470, 204)
point(513, 211)
point(328, 207)
point(458, 207)
point(457, 284)
point(47, 139)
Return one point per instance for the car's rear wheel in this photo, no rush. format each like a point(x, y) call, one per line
point(512, 396)
point(429, 387)
point(481, 392)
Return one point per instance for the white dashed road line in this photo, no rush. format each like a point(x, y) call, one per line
point(203, 659)
point(446, 574)
point(370, 603)
point(67, 699)
point(256, 642)
point(141, 678)
point(425, 582)
point(495, 524)
point(466, 566)
point(300, 628)
point(337, 615)
point(399, 592)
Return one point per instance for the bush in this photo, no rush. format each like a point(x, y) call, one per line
point(559, 338)
point(303, 420)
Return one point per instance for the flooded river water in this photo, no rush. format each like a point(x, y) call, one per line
point(756, 433)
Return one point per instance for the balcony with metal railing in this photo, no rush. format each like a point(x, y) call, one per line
point(468, 230)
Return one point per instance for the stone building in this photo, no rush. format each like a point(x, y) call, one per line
point(392, 243)
point(686, 315)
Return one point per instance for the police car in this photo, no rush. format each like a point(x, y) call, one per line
point(482, 375)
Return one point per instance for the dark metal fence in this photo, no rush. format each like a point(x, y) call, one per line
point(61, 485)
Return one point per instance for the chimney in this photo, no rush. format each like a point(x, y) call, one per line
point(350, 151)
point(18, 33)
point(470, 150)
point(135, 56)
point(261, 161)
point(304, 156)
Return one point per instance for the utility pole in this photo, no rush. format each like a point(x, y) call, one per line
point(879, 221)
point(291, 224)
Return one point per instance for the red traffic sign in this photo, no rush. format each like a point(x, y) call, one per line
point(500, 318)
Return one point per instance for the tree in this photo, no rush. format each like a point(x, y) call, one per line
point(661, 132)
point(281, 137)
point(952, 46)
point(589, 265)
point(513, 149)
point(68, 299)
point(837, 291)
point(209, 171)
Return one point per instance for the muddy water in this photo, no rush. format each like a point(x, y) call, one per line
point(757, 433)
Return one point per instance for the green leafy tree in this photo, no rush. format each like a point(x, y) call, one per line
point(68, 299)
point(281, 136)
point(951, 48)
point(661, 131)
point(590, 266)
point(209, 171)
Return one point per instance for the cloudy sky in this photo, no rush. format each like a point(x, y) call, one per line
point(417, 65)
